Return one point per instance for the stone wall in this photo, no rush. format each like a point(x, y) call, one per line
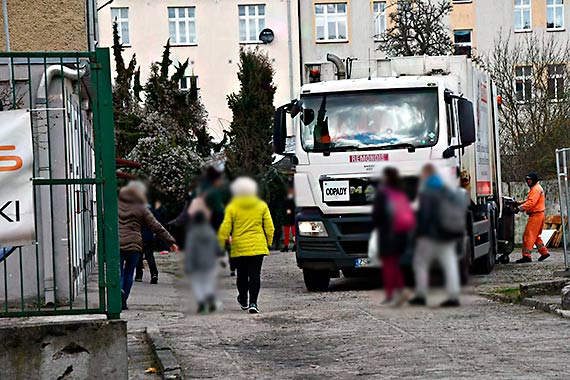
point(46, 25)
point(47, 350)
point(519, 191)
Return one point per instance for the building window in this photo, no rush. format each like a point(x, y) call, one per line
point(523, 83)
point(523, 15)
point(555, 14)
point(331, 22)
point(555, 88)
point(121, 17)
point(251, 22)
point(463, 42)
point(379, 18)
point(186, 82)
point(182, 25)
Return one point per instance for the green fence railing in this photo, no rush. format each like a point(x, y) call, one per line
point(71, 266)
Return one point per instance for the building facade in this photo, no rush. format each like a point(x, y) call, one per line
point(476, 24)
point(47, 25)
point(210, 34)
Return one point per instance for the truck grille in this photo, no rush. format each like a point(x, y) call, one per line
point(355, 248)
point(326, 246)
point(350, 228)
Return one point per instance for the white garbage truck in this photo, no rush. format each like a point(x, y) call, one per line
point(441, 110)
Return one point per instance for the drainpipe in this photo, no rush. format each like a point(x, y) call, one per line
point(340, 68)
point(290, 43)
point(301, 68)
point(44, 200)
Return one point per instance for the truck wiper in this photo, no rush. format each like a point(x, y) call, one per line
point(411, 148)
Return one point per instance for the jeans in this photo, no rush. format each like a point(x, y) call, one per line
point(249, 277)
point(129, 262)
point(148, 255)
point(428, 250)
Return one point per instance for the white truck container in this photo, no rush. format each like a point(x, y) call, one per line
point(441, 110)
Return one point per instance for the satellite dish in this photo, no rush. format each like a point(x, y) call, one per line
point(266, 36)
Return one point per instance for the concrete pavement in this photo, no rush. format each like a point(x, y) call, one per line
point(346, 333)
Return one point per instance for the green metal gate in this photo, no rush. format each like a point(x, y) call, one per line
point(72, 267)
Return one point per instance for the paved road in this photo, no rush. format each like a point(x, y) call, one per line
point(347, 334)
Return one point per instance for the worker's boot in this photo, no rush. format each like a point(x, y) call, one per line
point(523, 260)
point(544, 257)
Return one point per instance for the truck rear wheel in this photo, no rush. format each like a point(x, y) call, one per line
point(316, 280)
point(485, 264)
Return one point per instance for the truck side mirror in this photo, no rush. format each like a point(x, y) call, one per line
point(279, 130)
point(466, 122)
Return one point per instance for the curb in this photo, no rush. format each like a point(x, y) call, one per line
point(529, 302)
point(168, 365)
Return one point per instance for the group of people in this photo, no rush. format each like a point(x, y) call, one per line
point(244, 228)
point(395, 221)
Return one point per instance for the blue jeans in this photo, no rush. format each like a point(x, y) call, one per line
point(129, 262)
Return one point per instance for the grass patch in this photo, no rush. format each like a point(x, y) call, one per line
point(512, 292)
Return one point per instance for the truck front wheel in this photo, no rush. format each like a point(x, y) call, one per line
point(316, 280)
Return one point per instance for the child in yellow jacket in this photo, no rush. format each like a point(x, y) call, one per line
point(248, 221)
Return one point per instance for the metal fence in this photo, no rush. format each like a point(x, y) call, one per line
point(72, 267)
point(563, 172)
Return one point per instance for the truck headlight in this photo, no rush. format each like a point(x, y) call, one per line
point(314, 229)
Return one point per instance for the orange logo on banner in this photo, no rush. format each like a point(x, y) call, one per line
point(16, 159)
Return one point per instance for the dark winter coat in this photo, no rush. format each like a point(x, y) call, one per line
point(430, 195)
point(289, 212)
point(389, 243)
point(133, 215)
point(202, 248)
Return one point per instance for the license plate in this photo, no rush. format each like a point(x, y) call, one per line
point(336, 191)
point(361, 263)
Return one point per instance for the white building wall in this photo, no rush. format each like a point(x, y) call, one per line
point(215, 56)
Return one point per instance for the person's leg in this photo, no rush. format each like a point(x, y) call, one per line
point(286, 231)
point(149, 256)
point(399, 283)
point(254, 270)
point(122, 268)
point(131, 260)
point(421, 263)
point(448, 261)
point(140, 267)
point(242, 278)
point(531, 234)
point(388, 278)
point(540, 246)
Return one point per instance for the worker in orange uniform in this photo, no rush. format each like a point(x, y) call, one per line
point(534, 208)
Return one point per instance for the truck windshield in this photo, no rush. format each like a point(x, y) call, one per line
point(369, 120)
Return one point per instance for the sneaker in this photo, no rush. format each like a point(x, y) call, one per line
point(253, 309)
point(285, 249)
point(450, 303)
point(212, 305)
point(544, 257)
point(138, 279)
point(418, 301)
point(154, 280)
point(524, 260)
point(243, 305)
point(202, 308)
point(402, 297)
point(388, 301)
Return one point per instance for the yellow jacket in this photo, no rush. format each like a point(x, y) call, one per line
point(248, 221)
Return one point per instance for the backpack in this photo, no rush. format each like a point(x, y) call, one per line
point(451, 214)
point(403, 217)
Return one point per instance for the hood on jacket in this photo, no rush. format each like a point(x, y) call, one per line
point(533, 177)
point(132, 195)
point(246, 201)
point(434, 182)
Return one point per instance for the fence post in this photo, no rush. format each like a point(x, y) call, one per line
point(108, 163)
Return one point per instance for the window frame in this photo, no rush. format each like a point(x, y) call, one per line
point(325, 17)
point(521, 9)
point(554, 7)
point(187, 21)
point(556, 77)
point(525, 79)
point(378, 17)
point(469, 44)
point(120, 21)
point(248, 19)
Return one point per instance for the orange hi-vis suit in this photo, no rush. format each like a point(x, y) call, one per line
point(534, 208)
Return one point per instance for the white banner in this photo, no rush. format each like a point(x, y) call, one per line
point(17, 226)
